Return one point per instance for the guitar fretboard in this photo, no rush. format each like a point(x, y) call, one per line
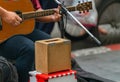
point(33, 14)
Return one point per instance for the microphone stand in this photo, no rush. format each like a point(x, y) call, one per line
point(65, 11)
point(61, 26)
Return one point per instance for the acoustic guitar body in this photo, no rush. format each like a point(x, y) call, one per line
point(25, 27)
point(25, 10)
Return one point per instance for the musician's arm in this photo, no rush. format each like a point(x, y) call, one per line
point(2, 11)
point(51, 18)
point(9, 17)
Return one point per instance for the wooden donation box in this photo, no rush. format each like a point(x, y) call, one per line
point(52, 55)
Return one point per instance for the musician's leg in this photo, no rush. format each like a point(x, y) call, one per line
point(38, 35)
point(20, 49)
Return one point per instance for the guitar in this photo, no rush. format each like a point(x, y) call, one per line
point(25, 10)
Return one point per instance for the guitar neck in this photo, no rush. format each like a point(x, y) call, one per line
point(34, 14)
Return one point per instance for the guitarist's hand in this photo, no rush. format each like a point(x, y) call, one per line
point(56, 16)
point(11, 18)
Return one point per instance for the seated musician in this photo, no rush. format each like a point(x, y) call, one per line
point(21, 47)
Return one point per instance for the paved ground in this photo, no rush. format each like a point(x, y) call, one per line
point(99, 60)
